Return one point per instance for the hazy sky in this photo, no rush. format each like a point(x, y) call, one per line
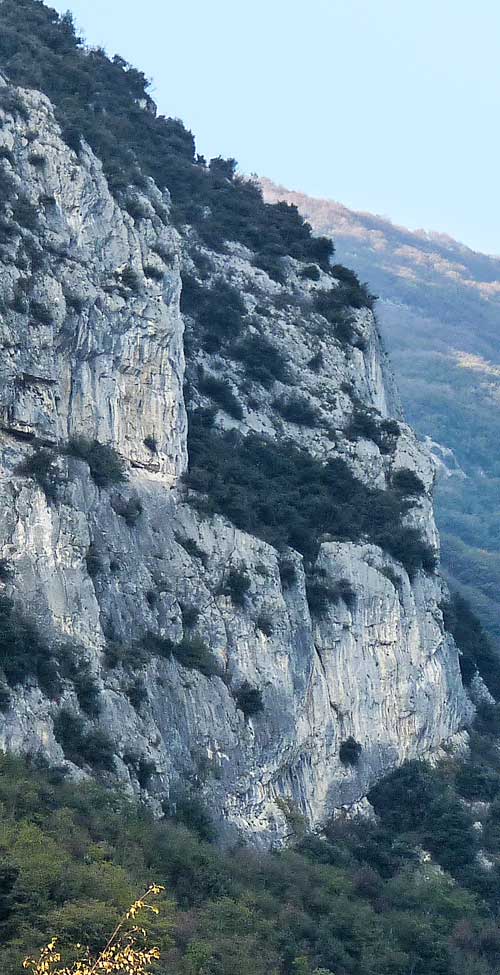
point(390, 106)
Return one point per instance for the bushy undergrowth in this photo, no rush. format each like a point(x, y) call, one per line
point(354, 900)
point(288, 498)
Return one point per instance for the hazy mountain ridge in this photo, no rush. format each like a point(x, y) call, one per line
point(439, 312)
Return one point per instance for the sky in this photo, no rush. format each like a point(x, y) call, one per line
point(389, 106)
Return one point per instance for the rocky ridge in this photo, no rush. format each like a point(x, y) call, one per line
point(93, 345)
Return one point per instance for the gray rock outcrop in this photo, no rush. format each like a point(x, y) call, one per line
point(92, 340)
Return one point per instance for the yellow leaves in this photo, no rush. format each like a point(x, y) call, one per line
point(122, 955)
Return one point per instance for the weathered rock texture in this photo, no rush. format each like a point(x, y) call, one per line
point(92, 344)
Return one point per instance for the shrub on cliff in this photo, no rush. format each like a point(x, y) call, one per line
point(236, 584)
point(220, 390)
point(193, 653)
point(24, 652)
point(249, 699)
point(81, 744)
point(219, 310)
point(297, 408)
point(263, 362)
point(350, 751)
point(106, 465)
point(42, 467)
point(407, 482)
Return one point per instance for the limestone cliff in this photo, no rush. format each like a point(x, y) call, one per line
point(92, 346)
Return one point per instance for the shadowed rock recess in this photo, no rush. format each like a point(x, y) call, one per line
point(249, 611)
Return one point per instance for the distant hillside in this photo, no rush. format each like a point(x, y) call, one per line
point(439, 312)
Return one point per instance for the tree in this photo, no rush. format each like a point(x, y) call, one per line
point(126, 950)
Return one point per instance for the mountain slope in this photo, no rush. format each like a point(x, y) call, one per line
point(439, 312)
point(246, 607)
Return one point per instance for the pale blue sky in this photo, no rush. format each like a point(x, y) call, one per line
point(390, 106)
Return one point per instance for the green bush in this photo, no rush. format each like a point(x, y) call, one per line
point(407, 482)
point(106, 465)
point(82, 745)
point(476, 781)
point(136, 208)
point(342, 589)
point(94, 563)
point(142, 768)
point(40, 313)
point(153, 272)
point(43, 468)
point(192, 548)
point(6, 153)
point(137, 693)
point(362, 423)
point(265, 624)
point(220, 390)
point(193, 653)
point(249, 699)
point(487, 720)
point(151, 444)
point(262, 360)
point(190, 614)
point(129, 656)
point(130, 509)
point(5, 695)
point(272, 264)
point(159, 646)
point(25, 214)
point(191, 811)
point(37, 159)
point(287, 571)
point(297, 408)
point(350, 751)
point(6, 570)
point(335, 307)
point(316, 362)
point(353, 292)
point(12, 101)
point(87, 690)
point(219, 310)
point(131, 280)
point(319, 596)
point(236, 584)
point(24, 653)
point(311, 272)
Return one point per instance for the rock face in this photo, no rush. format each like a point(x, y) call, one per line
point(93, 337)
point(92, 342)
